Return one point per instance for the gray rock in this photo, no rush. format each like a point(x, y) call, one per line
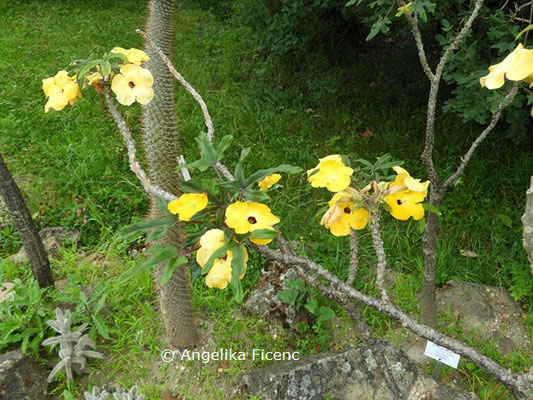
point(21, 378)
point(53, 238)
point(264, 302)
point(485, 311)
point(347, 375)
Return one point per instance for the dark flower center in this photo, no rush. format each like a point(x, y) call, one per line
point(399, 202)
point(347, 210)
point(224, 258)
point(252, 220)
point(131, 85)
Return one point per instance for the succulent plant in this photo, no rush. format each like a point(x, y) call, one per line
point(119, 394)
point(73, 346)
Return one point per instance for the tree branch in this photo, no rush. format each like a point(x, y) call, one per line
point(427, 154)
point(379, 248)
point(413, 20)
point(135, 165)
point(208, 122)
point(354, 257)
point(518, 385)
point(495, 118)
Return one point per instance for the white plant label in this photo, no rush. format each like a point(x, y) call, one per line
point(442, 354)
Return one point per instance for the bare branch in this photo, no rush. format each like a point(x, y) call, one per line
point(427, 154)
point(354, 257)
point(364, 330)
point(413, 20)
point(379, 248)
point(132, 151)
point(518, 385)
point(208, 122)
point(495, 118)
point(458, 39)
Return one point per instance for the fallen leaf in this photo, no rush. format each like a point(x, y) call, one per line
point(468, 253)
point(367, 134)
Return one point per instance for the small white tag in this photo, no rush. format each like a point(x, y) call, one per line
point(184, 171)
point(442, 354)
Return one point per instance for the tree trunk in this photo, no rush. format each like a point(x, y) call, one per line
point(527, 221)
point(162, 149)
point(429, 248)
point(33, 245)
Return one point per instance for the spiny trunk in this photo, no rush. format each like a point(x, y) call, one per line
point(429, 248)
point(33, 246)
point(527, 221)
point(162, 149)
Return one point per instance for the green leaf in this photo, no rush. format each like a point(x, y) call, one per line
point(86, 68)
point(100, 327)
point(421, 225)
point(195, 270)
point(255, 195)
point(239, 175)
point(237, 268)
point(160, 254)
point(143, 226)
point(67, 395)
point(106, 68)
point(219, 253)
point(263, 234)
point(311, 305)
point(171, 266)
point(222, 147)
point(244, 153)
point(262, 173)
point(118, 56)
point(431, 208)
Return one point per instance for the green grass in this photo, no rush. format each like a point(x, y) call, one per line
point(73, 170)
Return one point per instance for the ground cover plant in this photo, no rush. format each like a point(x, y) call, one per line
point(481, 216)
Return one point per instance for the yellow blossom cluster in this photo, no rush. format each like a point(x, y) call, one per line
point(242, 217)
point(132, 84)
point(351, 209)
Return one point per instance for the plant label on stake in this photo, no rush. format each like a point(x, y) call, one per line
point(442, 355)
point(184, 170)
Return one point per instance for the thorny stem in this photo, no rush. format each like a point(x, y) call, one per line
point(354, 257)
point(379, 248)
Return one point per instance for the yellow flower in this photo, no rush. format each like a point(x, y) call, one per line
point(220, 273)
point(269, 181)
point(517, 66)
point(135, 56)
point(187, 205)
point(332, 174)
point(134, 83)
point(60, 90)
point(248, 217)
point(93, 78)
point(406, 204)
point(343, 216)
point(405, 181)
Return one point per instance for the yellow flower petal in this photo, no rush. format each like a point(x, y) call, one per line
point(332, 174)
point(406, 204)
point(248, 217)
point(269, 181)
point(56, 101)
point(219, 275)
point(187, 205)
point(210, 241)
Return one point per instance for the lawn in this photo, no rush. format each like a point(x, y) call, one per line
point(73, 170)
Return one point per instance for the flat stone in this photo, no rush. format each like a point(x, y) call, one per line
point(346, 375)
point(53, 238)
point(22, 378)
point(486, 311)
